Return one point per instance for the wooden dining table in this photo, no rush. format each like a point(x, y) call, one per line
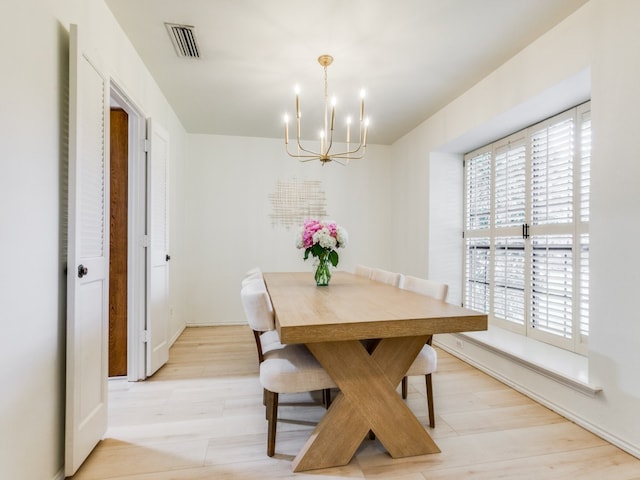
point(333, 321)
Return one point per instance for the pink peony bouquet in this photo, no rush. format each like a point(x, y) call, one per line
point(320, 239)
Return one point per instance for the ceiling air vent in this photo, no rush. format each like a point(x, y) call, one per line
point(184, 40)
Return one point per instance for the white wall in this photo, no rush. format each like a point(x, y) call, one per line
point(33, 116)
point(614, 346)
point(228, 223)
point(595, 49)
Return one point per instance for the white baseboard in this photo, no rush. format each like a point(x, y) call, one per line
point(216, 324)
point(177, 334)
point(570, 415)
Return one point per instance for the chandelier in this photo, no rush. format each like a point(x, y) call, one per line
point(325, 153)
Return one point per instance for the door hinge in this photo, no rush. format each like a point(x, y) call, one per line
point(147, 145)
point(145, 336)
point(144, 241)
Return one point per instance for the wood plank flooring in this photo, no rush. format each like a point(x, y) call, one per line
point(201, 417)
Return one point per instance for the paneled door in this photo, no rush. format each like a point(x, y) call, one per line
point(158, 250)
point(88, 258)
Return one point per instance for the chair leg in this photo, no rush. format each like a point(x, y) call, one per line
point(404, 387)
point(432, 417)
point(272, 417)
point(326, 398)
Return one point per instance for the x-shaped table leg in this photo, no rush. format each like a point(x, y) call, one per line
point(367, 401)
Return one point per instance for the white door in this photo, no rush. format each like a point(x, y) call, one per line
point(88, 258)
point(158, 251)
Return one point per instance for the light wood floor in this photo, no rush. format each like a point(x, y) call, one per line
point(201, 417)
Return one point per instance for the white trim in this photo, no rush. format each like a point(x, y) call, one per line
point(567, 368)
point(59, 475)
point(173, 339)
point(136, 283)
point(217, 324)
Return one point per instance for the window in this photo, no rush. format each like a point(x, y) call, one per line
point(526, 230)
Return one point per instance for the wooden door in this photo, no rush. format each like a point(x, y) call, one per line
point(88, 258)
point(119, 158)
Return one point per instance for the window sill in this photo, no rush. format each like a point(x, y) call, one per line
point(567, 368)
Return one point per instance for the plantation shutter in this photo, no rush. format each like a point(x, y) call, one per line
point(509, 195)
point(477, 222)
point(478, 191)
point(477, 274)
point(509, 184)
point(509, 280)
point(526, 230)
point(552, 173)
point(552, 284)
point(584, 124)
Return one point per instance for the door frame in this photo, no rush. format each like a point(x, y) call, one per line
point(137, 238)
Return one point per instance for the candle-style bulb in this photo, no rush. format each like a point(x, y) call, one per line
point(364, 137)
point(286, 129)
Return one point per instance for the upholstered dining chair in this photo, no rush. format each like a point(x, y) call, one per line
point(266, 340)
point(427, 360)
point(288, 369)
point(385, 276)
point(363, 271)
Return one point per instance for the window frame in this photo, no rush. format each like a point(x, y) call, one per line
point(577, 228)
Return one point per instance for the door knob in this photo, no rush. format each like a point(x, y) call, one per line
point(82, 271)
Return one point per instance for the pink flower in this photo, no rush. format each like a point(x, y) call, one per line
point(327, 234)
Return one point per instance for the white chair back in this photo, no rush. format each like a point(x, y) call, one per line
point(253, 271)
point(253, 274)
point(384, 276)
point(425, 287)
point(257, 306)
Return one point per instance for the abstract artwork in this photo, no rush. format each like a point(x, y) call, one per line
point(295, 200)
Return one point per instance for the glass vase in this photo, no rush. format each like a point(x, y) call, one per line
point(323, 272)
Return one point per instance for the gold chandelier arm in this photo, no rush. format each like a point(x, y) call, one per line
point(307, 151)
point(330, 143)
point(360, 146)
point(348, 156)
point(311, 156)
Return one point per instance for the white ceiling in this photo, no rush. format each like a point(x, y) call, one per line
point(411, 56)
